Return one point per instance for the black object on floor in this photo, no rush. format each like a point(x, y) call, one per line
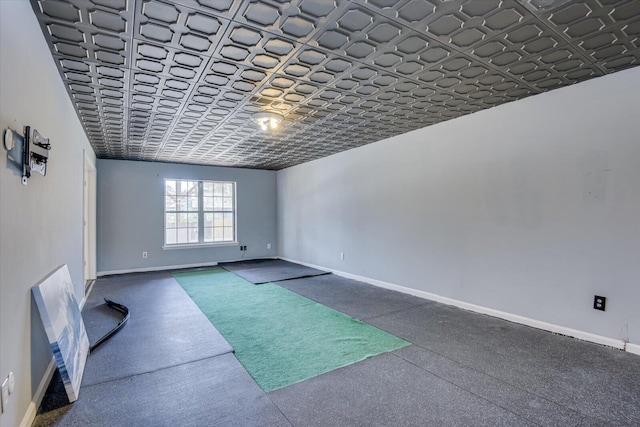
point(265, 271)
point(119, 308)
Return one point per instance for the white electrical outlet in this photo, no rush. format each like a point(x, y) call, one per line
point(144, 254)
point(268, 245)
point(341, 256)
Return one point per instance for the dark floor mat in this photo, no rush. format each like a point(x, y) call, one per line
point(251, 263)
point(357, 299)
point(215, 391)
point(272, 271)
point(165, 329)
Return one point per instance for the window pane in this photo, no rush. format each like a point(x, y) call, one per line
point(170, 236)
point(217, 203)
point(182, 235)
point(207, 188)
point(208, 234)
point(170, 187)
point(170, 220)
point(218, 234)
point(208, 220)
point(193, 203)
point(192, 188)
point(228, 219)
point(208, 203)
point(228, 189)
point(183, 220)
point(170, 203)
point(183, 187)
point(218, 219)
point(193, 235)
point(228, 234)
point(182, 203)
point(193, 220)
point(227, 204)
point(217, 188)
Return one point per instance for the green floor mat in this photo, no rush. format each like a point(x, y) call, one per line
point(280, 337)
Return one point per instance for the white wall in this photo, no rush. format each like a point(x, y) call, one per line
point(529, 208)
point(130, 209)
point(41, 223)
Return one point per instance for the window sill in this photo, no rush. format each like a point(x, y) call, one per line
point(199, 245)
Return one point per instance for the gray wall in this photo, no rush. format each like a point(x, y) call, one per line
point(130, 215)
point(41, 223)
point(529, 208)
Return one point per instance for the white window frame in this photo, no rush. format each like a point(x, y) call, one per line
point(200, 212)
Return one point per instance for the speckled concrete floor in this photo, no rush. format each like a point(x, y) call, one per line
point(170, 367)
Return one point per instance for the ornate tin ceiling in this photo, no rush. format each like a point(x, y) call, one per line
point(178, 81)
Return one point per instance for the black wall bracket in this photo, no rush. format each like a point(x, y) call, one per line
point(28, 153)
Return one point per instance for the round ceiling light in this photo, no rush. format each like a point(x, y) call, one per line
point(267, 120)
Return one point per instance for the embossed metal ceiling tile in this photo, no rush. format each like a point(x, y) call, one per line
point(610, 48)
point(528, 39)
point(154, 58)
point(255, 47)
point(461, 26)
point(581, 18)
point(113, 17)
point(358, 33)
point(344, 44)
point(178, 27)
point(222, 100)
point(87, 44)
point(224, 8)
point(240, 78)
point(300, 22)
point(316, 66)
point(409, 12)
point(627, 60)
point(153, 103)
point(93, 74)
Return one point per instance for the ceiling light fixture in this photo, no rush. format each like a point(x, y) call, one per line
point(267, 120)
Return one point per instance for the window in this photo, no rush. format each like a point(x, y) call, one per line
point(199, 212)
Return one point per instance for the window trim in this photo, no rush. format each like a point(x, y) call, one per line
point(201, 213)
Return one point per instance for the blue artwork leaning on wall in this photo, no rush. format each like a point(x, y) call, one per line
point(62, 320)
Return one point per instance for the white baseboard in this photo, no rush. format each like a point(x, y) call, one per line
point(586, 336)
point(159, 268)
point(32, 409)
point(633, 348)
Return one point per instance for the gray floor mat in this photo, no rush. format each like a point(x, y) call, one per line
point(252, 263)
point(357, 299)
point(213, 391)
point(165, 328)
point(386, 391)
point(273, 271)
point(599, 382)
point(519, 401)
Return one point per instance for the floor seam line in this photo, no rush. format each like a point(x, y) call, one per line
point(280, 410)
point(468, 391)
point(500, 380)
point(160, 369)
